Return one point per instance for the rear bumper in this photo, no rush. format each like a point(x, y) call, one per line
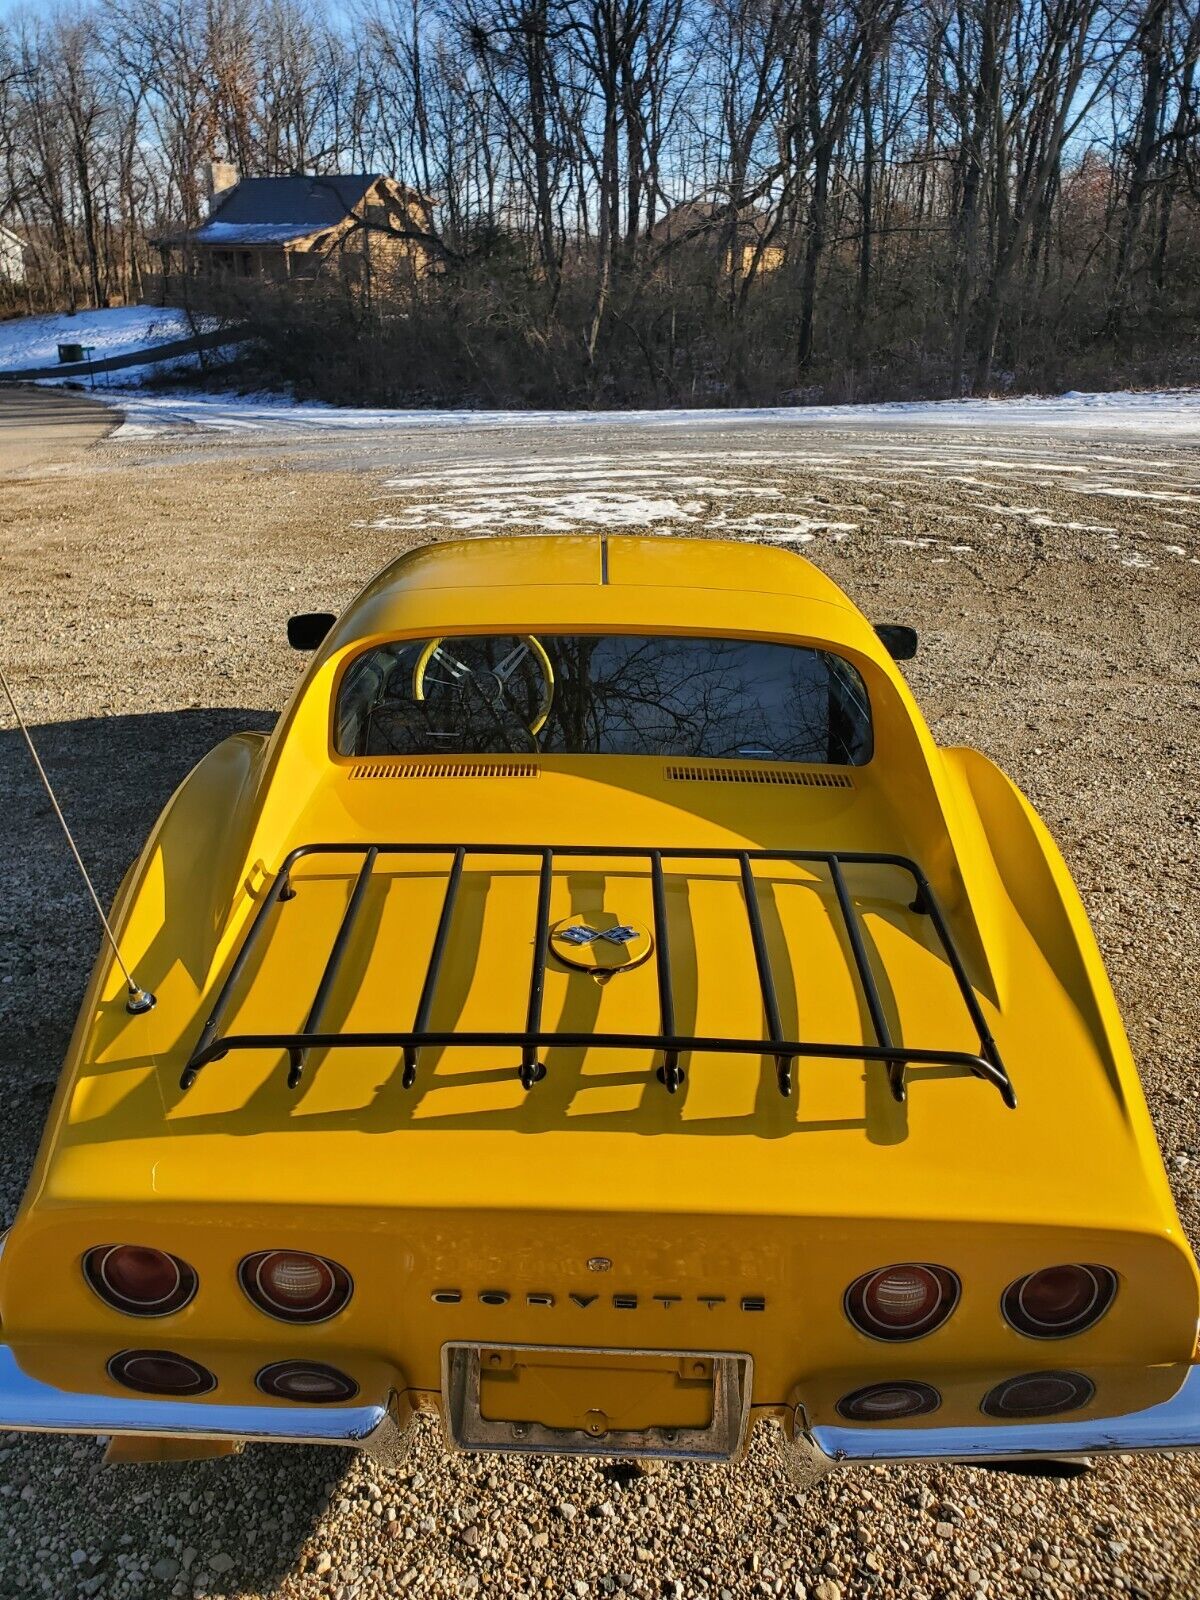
point(30, 1405)
point(381, 1426)
point(1172, 1424)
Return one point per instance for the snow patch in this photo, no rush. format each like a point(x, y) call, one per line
point(1174, 412)
point(1041, 519)
point(34, 341)
point(554, 513)
point(565, 493)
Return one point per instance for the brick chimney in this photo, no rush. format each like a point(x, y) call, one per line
point(222, 176)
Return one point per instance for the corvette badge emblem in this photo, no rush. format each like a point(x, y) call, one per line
point(600, 944)
point(584, 933)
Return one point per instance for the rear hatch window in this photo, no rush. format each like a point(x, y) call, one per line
point(606, 694)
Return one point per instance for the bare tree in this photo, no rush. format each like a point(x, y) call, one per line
point(653, 196)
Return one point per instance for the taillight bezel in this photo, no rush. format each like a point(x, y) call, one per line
point(274, 1371)
point(1105, 1286)
point(117, 1367)
point(1083, 1392)
point(855, 1307)
point(249, 1273)
point(929, 1401)
point(95, 1264)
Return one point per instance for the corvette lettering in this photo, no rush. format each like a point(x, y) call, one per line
point(618, 1302)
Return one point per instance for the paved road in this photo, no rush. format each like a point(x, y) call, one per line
point(41, 427)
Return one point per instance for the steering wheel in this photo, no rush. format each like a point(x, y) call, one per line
point(490, 682)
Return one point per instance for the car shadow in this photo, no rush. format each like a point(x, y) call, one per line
point(233, 1525)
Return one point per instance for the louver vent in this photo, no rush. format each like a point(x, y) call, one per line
point(791, 775)
point(444, 769)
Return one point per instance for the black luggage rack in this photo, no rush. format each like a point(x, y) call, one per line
point(896, 1056)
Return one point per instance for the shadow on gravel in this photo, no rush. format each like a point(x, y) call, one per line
point(227, 1527)
point(1043, 1467)
point(112, 776)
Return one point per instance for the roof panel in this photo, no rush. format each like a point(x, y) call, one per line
point(528, 561)
point(306, 203)
point(560, 582)
point(736, 565)
point(231, 233)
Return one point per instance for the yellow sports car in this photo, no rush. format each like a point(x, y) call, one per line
point(601, 1015)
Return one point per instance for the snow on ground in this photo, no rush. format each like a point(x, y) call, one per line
point(682, 490)
point(34, 341)
point(735, 472)
point(565, 493)
point(1166, 413)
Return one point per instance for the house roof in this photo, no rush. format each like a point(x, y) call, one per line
point(695, 219)
point(265, 211)
point(282, 210)
point(220, 232)
point(318, 202)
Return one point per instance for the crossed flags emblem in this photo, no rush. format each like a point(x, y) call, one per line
point(581, 933)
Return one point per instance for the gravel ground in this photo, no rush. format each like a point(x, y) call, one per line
point(146, 587)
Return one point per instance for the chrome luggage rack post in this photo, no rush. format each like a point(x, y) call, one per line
point(893, 1053)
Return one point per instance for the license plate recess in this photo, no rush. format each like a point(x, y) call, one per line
point(688, 1405)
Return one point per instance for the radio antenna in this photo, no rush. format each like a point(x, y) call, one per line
point(138, 999)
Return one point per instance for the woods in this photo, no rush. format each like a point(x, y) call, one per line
point(634, 200)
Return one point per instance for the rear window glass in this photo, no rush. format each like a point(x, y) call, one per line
point(608, 694)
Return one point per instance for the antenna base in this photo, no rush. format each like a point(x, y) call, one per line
point(139, 1001)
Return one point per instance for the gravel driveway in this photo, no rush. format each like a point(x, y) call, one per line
point(1056, 586)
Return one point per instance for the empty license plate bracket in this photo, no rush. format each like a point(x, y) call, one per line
point(689, 1405)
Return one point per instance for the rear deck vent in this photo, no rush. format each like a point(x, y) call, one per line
point(444, 769)
point(791, 775)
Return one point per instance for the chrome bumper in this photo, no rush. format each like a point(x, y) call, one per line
point(28, 1405)
point(1173, 1424)
point(381, 1428)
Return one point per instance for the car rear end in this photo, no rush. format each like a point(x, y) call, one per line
point(600, 1102)
point(586, 1258)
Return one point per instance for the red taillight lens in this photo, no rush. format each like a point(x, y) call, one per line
point(309, 1382)
point(138, 1280)
point(160, 1372)
point(906, 1301)
point(295, 1286)
point(888, 1402)
point(1058, 1301)
point(1038, 1394)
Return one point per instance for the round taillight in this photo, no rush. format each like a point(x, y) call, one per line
point(1038, 1394)
point(139, 1280)
point(906, 1301)
point(1058, 1301)
point(309, 1382)
point(888, 1402)
point(295, 1286)
point(160, 1372)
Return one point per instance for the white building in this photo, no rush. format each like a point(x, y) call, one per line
point(12, 256)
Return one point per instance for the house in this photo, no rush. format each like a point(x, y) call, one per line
point(300, 228)
point(695, 224)
point(12, 256)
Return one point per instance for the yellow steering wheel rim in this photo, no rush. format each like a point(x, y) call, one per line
point(534, 643)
